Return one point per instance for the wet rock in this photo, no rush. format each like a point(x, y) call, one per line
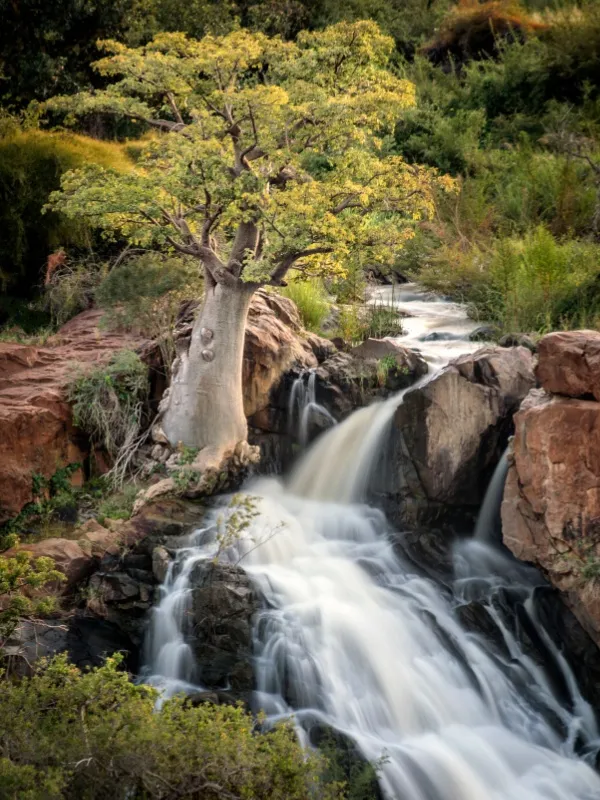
point(161, 560)
point(518, 340)
point(484, 333)
point(551, 506)
point(569, 363)
point(447, 437)
point(220, 627)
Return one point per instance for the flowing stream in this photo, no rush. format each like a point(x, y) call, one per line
point(355, 638)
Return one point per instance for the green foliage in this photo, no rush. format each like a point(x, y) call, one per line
point(145, 292)
point(70, 735)
point(234, 182)
point(311, 298)
point(117, 505)
point(381, 320)
point(71, 288)
point(187, 455)
point(31, 166)
point(591, 569)
point(108, 401)
point(20, 575)
point(536, 283)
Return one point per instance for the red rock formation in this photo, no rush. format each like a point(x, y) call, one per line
point(569, 363)
point(551, 507)
point(36, 430)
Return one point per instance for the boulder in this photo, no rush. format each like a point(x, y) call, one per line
point(569, 363)
point(551, 506)
point(447, 436)
point(275, 342)
point(220, 626)
point(96, 540)
point(67, 555)
point(36, 427)
point(87, 641)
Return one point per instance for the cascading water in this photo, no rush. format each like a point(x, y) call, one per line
point(303, 409)
point(352, 636)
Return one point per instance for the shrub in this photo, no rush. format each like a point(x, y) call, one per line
point(70, 287)
point(31, 165)
point(108, 401)
point(19, 575)
point(69, 735)
point(311, 299)
point(534, 283)
point(145, 294)
point(118, 505)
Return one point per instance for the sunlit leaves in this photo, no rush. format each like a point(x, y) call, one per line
point(289, 137)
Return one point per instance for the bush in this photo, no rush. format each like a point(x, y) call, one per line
point(534, 283)
point(108, 401)
point(70, 735)
point(145, 294)
point(118, 505)
point(31, 165)
point(311, 298)
point(70, 287)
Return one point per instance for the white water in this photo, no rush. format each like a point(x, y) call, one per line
point(303, 409)
point(436, 327)
point(353, 636)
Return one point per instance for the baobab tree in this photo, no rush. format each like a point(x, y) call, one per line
point(267, 156)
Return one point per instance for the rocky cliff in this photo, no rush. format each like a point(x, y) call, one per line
point(551, 506)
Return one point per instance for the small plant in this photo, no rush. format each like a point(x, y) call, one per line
point(591, 569)
point(185, 478)
point(118, 505)
point(311, 299)
point(19, 574)
point(70, 287)
point(187, 455)
point(386, 365)
point(382, 320)
point(109, 404)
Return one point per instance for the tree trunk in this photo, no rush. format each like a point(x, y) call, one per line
point(206, 407)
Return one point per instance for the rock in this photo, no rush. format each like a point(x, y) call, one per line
point(273, 345)
point(484, 333)
point(518, 340)
point(349, 380)
point(220, 627)
point(161, 560)
point(87, 641)
point(569, 363)
point(447, 437)
point(98, 540)
point(67, 555)
point(551, 506)
point(36, 428)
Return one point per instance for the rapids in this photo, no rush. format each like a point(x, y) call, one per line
point(355, 637)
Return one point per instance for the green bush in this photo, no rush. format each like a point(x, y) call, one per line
point(70, 735)
point(311, 299)
point(31, 165)
point(534, 283)
point(118, 505)
point(108, 401)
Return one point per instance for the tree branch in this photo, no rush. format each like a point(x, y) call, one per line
point(288, 261)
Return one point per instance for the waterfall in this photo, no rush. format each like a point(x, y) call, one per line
point(489, 524)
point(303, 409)
point(353, 636)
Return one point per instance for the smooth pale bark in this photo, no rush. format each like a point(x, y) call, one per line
point(206, 407)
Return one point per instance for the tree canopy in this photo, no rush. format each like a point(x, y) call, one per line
point(264, 154)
